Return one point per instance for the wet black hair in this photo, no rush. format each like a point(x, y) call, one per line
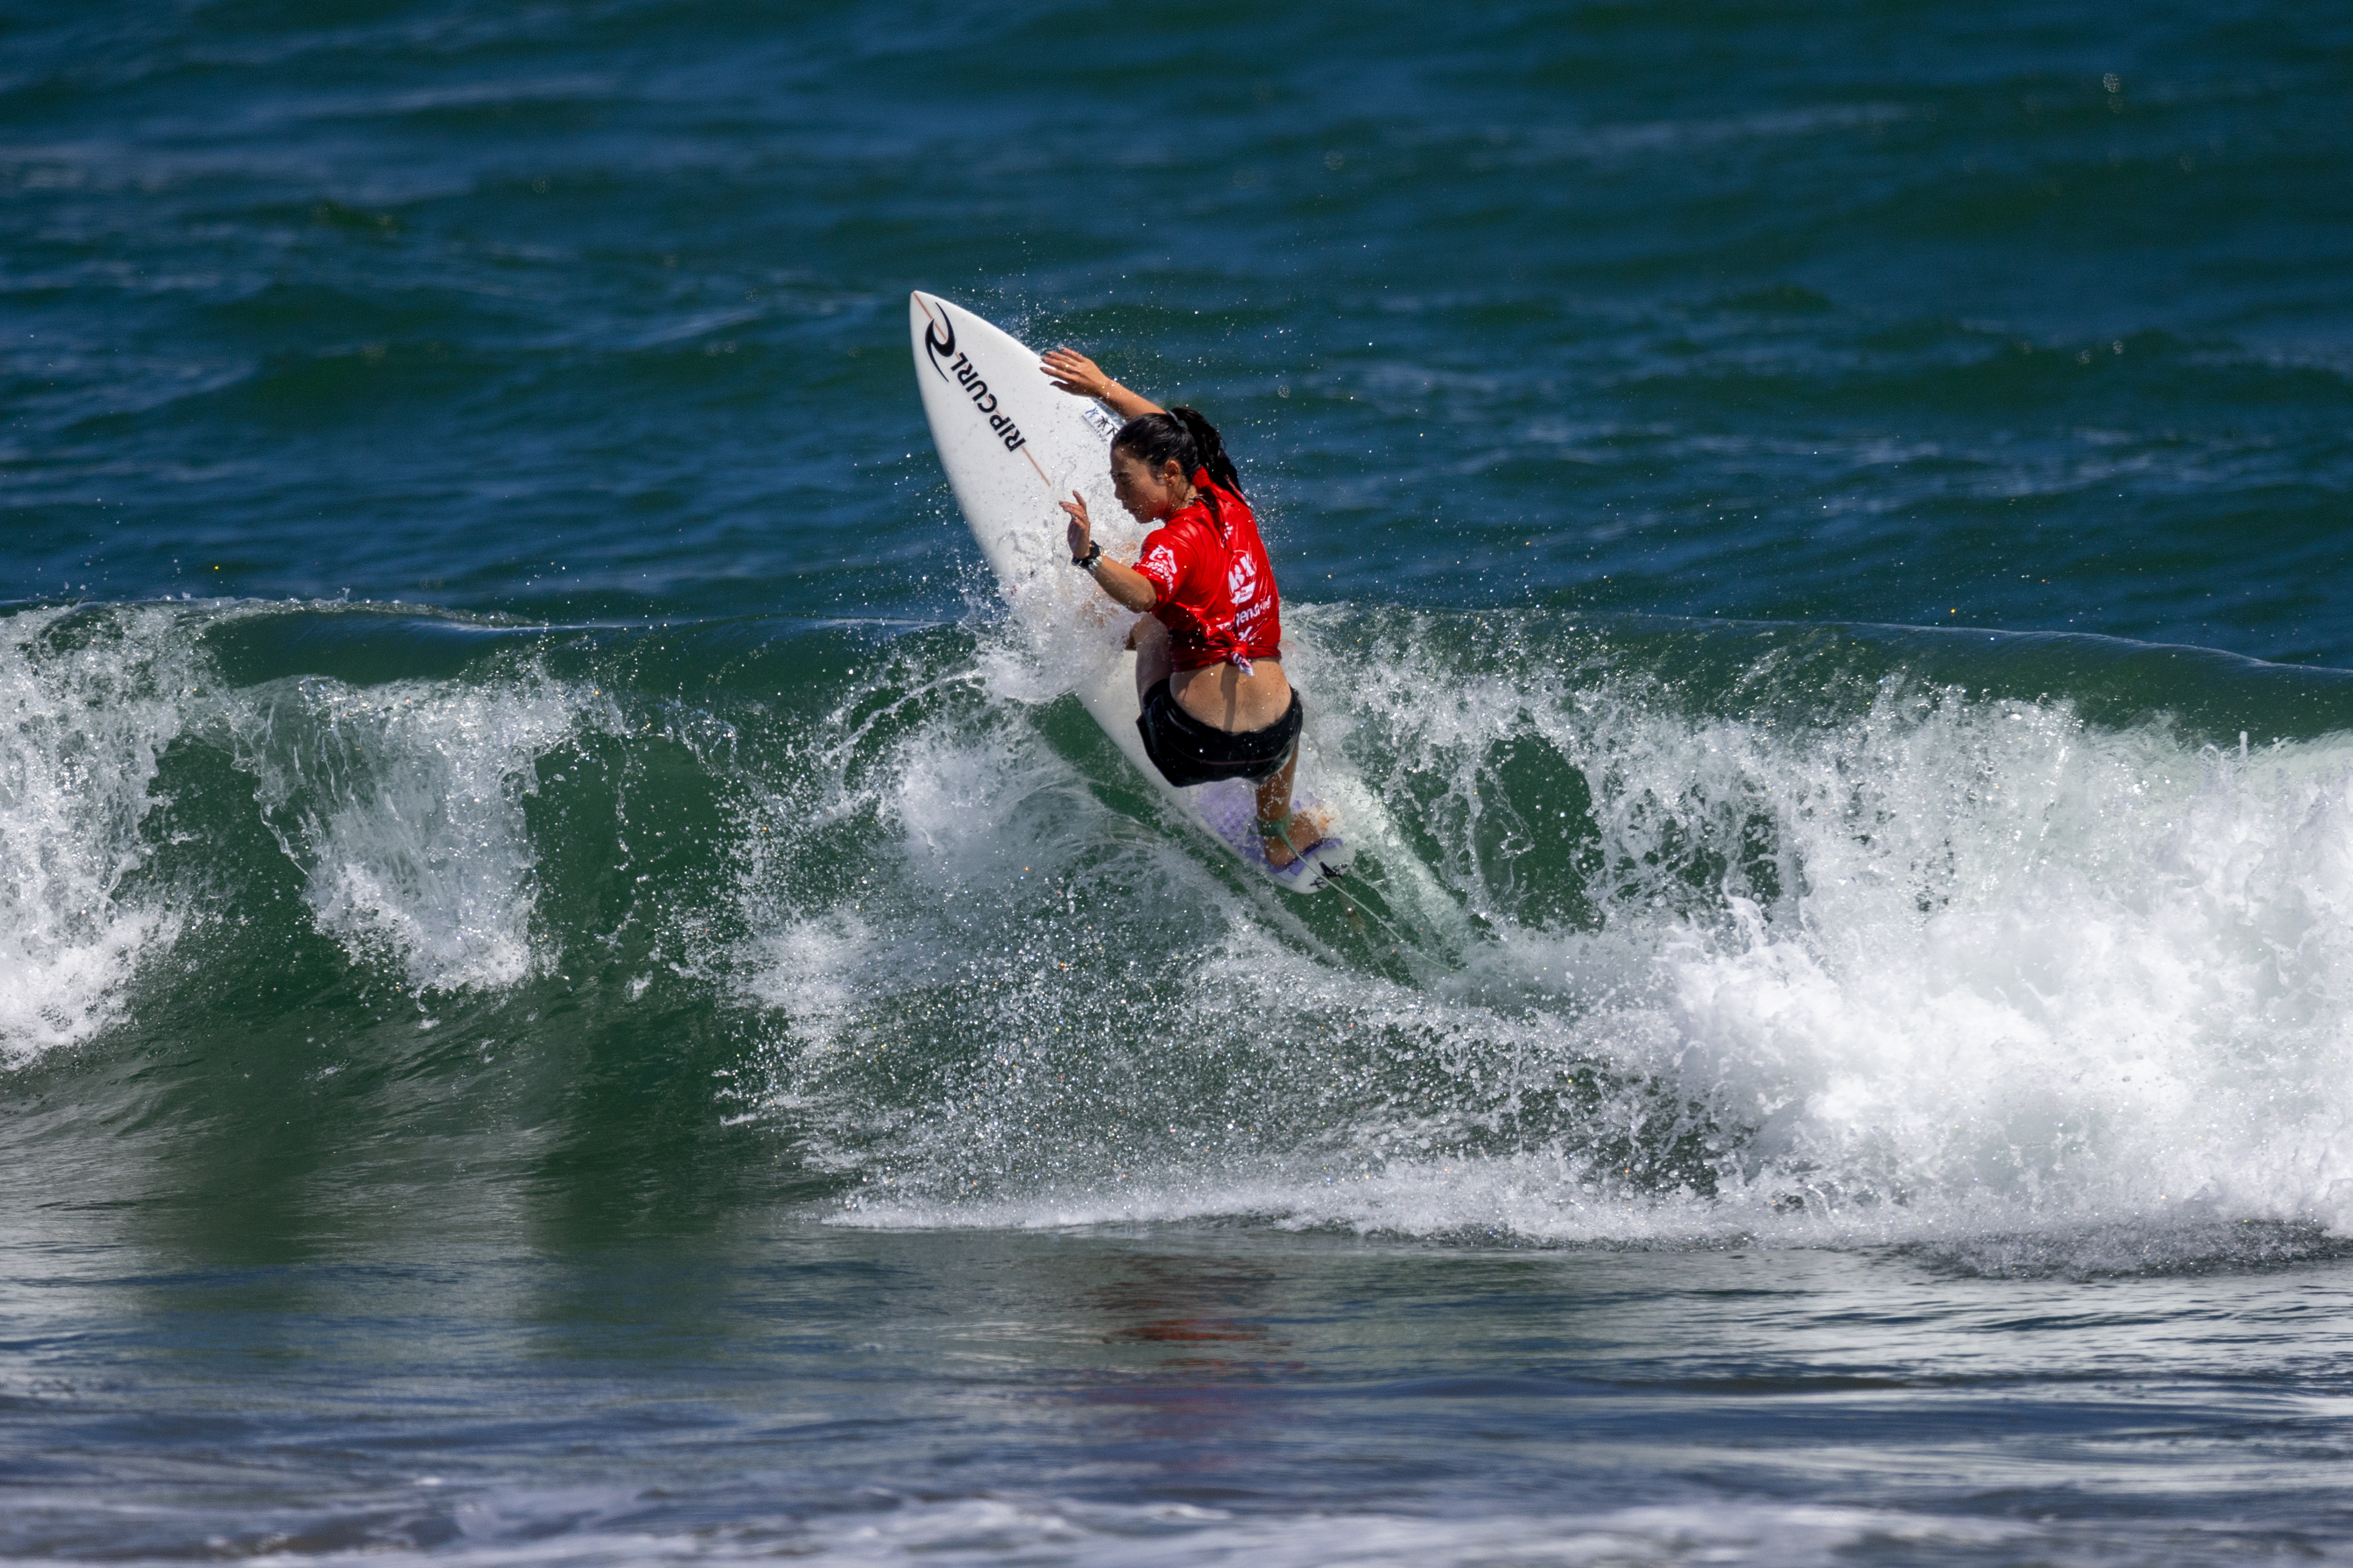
point(1181, 435)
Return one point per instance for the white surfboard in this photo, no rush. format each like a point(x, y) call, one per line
point(1015, 446)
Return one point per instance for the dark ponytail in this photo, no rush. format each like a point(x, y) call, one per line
point(1211, 447)
point(1181, 435)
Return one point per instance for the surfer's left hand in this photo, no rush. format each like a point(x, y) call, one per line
point(1082, 528)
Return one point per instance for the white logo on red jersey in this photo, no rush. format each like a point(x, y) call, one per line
point(1241, 579)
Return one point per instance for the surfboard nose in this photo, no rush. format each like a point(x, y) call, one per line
point(927, 316)
point(928, 321)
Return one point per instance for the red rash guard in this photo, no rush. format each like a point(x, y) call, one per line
point(1217, 595)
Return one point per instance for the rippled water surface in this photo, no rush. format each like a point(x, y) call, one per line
point(572, 990)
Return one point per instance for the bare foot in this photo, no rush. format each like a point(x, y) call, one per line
point(1306, 830)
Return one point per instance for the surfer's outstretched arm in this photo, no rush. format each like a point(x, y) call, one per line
point(1074, 371)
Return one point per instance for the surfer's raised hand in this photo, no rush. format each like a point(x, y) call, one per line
point(1076, 374)
point(1125, 585)
point(1074, 371)
point(1083, 526)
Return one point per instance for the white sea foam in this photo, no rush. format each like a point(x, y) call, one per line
point(1944, 965)
point(404, 805)
point(2088, 974)
point(90, 706)
point(808, 971)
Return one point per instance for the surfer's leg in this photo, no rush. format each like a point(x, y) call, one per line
point(1300, 833)
point(1150, 641)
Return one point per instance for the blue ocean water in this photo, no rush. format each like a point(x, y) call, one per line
point(571, 989)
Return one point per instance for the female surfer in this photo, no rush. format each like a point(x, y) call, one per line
point(1209, 651)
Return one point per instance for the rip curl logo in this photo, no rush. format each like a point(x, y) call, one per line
point(939, 338)
point(939, 341)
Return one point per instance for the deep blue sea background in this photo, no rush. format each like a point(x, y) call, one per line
point(572, 990)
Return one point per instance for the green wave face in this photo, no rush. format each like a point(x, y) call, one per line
point(327, 921)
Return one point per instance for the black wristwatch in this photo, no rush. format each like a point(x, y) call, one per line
point(1086, 562)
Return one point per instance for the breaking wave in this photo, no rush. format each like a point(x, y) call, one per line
point(1664, 934)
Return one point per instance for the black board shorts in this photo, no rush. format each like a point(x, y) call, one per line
point(1188, 753)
